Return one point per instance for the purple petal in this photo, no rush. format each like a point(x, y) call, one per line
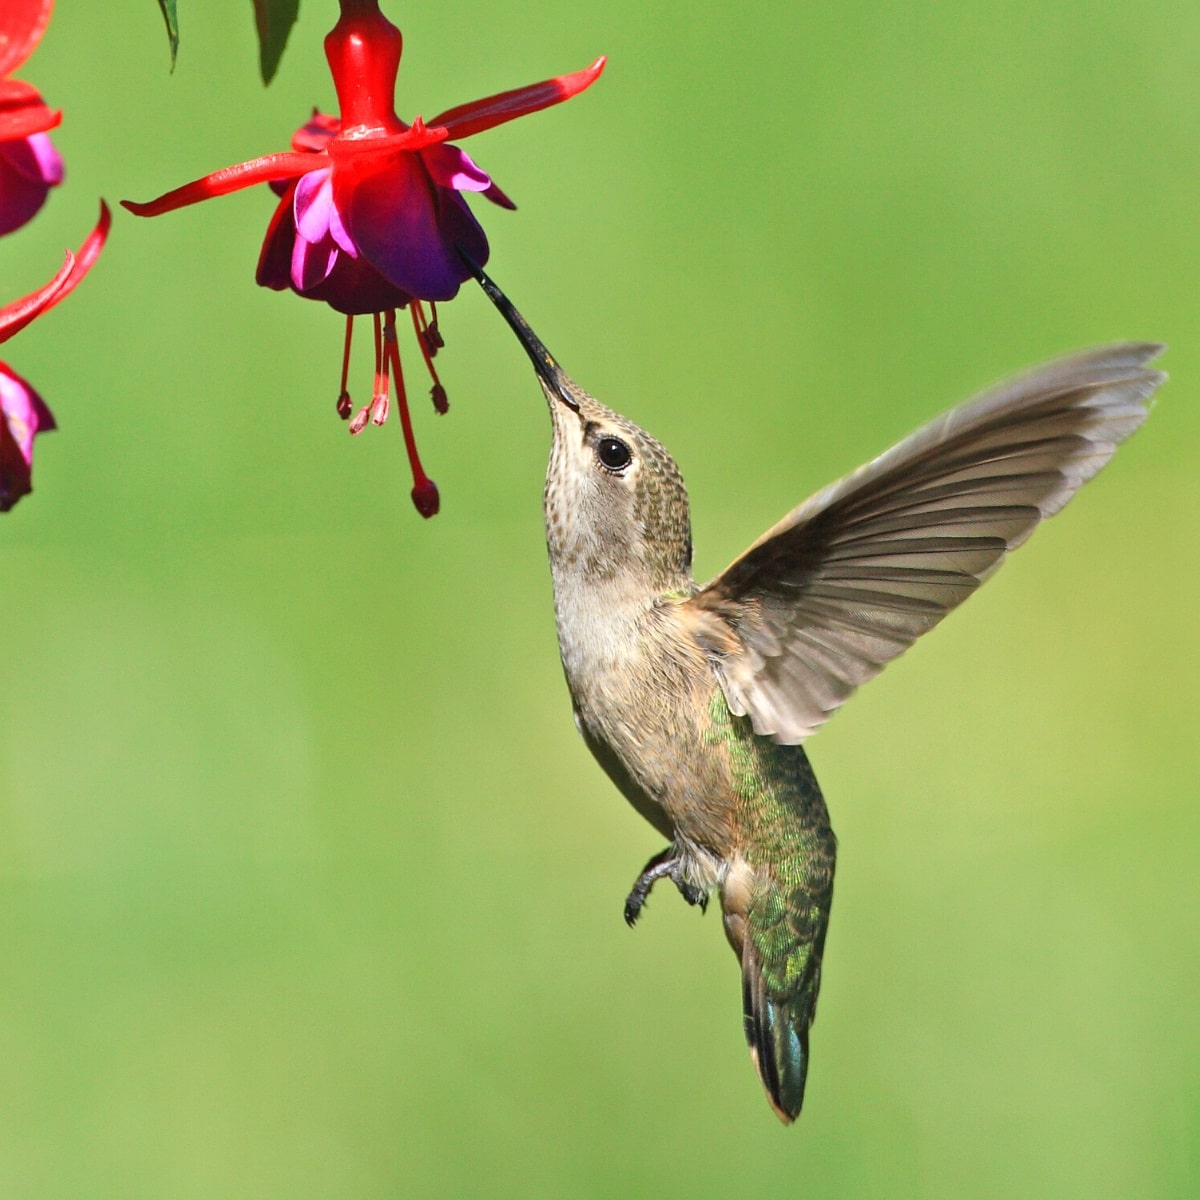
point(23, 415)
point(354, 287)
point(452, 168)
point(29, 168)
point(25, 412)
point(275, 259)
point(406, 227)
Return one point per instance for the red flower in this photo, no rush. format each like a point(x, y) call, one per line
point(23, 413)
point(29, 164)
point(371, 218)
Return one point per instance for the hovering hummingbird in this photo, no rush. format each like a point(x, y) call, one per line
point(695, 699)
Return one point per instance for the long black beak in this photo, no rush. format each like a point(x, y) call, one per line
point(551, 374)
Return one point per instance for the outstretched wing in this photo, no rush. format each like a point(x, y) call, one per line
point(853, 576)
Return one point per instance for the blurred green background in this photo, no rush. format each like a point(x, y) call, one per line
point(308, 887)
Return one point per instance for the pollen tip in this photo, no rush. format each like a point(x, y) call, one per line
point(360, 420)
point(425, 498)
point(441, 402)
point(344, 406)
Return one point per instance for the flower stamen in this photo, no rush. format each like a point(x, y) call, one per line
point(343, 401)
point(385, 350)
point(424, 492)
point(437, 393)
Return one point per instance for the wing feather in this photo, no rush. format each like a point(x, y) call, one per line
point(854, 575)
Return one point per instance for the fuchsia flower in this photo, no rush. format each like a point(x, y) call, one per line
point(23, 413)
point(371, 218)
point(29, 164)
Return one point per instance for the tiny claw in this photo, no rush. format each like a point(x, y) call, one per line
point(693, 895)
point(441, 402)
point(425, 498)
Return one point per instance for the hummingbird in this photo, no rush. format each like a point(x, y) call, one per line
point(696, 700)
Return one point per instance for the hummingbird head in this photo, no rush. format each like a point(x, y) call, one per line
point(616, 506)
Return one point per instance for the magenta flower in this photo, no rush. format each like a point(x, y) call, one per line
point(371, 218)
point(29, 164)
point(23, 413)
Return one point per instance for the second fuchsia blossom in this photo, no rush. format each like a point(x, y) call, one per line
point(23, 413)
point(372, 218)
point(29, 164)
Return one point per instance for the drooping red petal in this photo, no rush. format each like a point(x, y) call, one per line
point(15, 316)
point(479, 115)
point(22, 111)
point(22, 23)
point(287, 165)
point(313, 136)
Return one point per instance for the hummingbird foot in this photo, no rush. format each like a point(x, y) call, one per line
point(664, 865)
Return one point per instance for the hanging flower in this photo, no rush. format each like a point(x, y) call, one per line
point(29, 164)
point(23, 413)
point(371, 218)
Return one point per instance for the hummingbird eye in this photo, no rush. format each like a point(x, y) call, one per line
point(613, 454)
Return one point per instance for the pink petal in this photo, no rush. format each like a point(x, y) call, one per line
point(49, 161)
point(314, 199)
point(312, 262)
point(339, 232)
point(452, 168)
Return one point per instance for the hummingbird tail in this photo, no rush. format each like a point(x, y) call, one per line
point(777, 1035)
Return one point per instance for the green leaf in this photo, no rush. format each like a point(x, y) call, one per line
point(274, 19)
point(168, 12)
